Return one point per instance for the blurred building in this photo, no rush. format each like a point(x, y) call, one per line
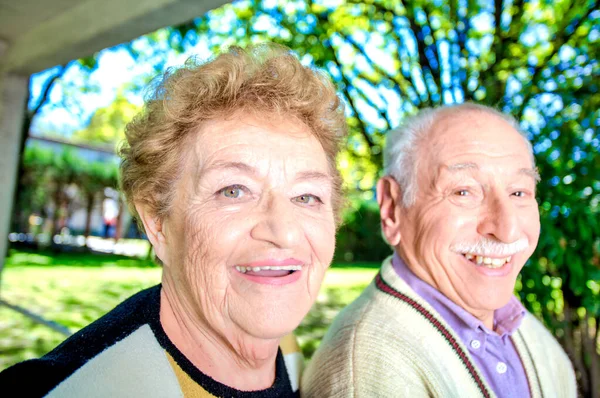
point(38, 34)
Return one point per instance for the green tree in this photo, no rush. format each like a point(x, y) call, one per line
point(107, 125)
point(34, 194)
point(38, 102)
point(63, 172)
point(95, 178)
point(537, 60)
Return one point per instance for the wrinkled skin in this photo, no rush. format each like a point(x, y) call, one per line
point(252, 189)
point(475, 181)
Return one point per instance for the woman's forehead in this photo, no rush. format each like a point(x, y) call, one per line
point(253, 145)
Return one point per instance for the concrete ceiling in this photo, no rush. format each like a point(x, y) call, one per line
point(39, 34)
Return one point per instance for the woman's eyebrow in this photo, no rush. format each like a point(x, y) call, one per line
point(313, 175)
point(240, 166)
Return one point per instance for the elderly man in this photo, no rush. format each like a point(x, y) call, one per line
point(458, 206)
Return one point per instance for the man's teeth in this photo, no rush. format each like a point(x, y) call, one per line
point(269, 268)
point(487, 261)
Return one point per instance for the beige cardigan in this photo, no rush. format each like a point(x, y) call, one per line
point(391, 343)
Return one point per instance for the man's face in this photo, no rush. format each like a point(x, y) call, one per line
point(475, 221)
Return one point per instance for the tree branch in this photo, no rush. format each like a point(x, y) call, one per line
point(398, 79)
point(363, 126)
point(559, 42)
point(460, 49)
point(502, 42)
point(435, 53)
point(423, 61)
point(48, 85)
point(348, 84)
point(368, 100)
point(419, 37)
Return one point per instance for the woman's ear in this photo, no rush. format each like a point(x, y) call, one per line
point(389, 198)
point(153, 226)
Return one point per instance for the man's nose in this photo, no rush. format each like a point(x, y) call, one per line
point(500, 219)
point(277, 223)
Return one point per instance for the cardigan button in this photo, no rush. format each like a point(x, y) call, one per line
point(501, 367)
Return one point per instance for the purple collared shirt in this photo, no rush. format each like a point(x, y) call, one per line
point(493, 352)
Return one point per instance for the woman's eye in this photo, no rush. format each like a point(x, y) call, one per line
point(462, 192)
point(233, 192)
point(307, 199)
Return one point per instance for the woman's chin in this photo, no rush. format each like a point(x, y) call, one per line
point(271, 325)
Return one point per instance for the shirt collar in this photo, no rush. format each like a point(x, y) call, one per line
point(506, 319)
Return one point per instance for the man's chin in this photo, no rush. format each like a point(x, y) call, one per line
point(491, 299)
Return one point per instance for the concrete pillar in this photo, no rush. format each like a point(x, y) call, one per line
point(13, 96)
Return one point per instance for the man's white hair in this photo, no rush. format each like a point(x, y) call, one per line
point(401, 154)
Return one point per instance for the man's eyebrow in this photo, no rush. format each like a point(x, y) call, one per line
point(533, 173)
point(462, 166)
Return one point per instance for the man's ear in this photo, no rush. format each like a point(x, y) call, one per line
point(389, 198)
point(153, 226)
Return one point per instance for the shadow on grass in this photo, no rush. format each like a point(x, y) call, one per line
point(370, 265)
point(74, 299)
point(49, 258)
point(314, 326)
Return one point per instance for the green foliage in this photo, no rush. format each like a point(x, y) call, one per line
point(48, 175)
point(536, 60)
point(75, 290)
point(34, 195)
point(359, 238)
point(107, 125)
point(22, 258)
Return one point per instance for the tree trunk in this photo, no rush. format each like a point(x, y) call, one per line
point(57, 205)
point(574, 352)
point(17, 211)
point(88, 217)
point(119, 222)
point(589, 341)
point(29, 116)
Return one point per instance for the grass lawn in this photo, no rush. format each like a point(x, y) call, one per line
point(76, 289)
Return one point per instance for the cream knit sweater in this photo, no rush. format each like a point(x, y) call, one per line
point(391, 343)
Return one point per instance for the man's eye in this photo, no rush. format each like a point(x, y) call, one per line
point(519, 194)
point(233, 192)
point(307, 199)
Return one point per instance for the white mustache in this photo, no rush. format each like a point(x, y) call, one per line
point(491, 248)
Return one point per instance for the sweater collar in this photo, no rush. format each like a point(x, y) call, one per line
point(506, 319)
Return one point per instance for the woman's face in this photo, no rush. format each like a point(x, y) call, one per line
point(252, 230)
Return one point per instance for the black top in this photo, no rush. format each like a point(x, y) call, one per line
point(37, 377)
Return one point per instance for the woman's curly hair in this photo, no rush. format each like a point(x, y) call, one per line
point(264, 79)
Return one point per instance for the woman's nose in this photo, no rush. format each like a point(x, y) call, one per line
point(278, 223)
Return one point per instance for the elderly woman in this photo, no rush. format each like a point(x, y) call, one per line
point(231, 171)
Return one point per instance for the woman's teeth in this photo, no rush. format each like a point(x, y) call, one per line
point(269, 268)
point(487, 262)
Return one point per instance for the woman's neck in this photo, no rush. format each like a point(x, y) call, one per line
point(223, 352)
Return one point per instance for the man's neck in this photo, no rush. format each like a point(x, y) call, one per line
point(232, 358)
point(485, 316)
